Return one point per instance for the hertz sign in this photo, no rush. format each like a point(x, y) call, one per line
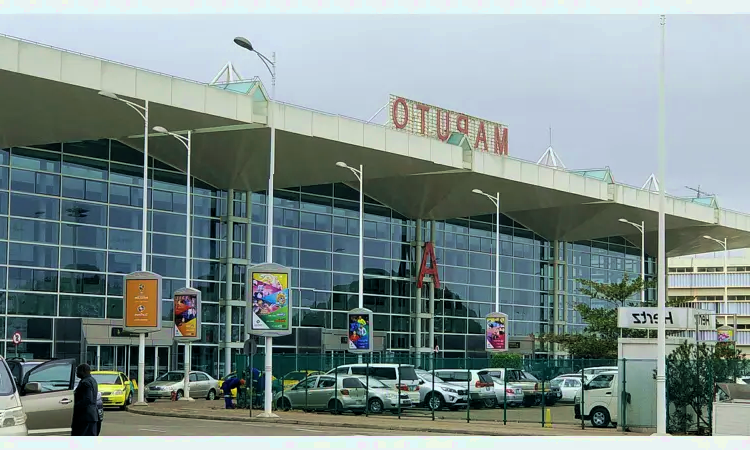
point(439, 123)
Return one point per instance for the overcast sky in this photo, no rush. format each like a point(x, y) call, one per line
point(594, 79)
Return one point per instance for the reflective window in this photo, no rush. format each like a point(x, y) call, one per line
point(168, 223)
point(32, 279)
point(84, 167)
point(32, 304)
point(126, 195)
point(32, 255)
point(315, 241)
point(123, 263)
point(76, 259)
point(82, 283)
point(130, 241)
point(168, 267)
point(32, 327)
point(34, 231)
point(35, 160)
point(84, 189)
point(125, 218)
point(78, 306)
point(86, 213)
point(83, 236)
point(34, 206)
point(114, 308)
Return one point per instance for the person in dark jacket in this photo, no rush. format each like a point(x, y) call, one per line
point(227, 386)
point(85, 413)
point(100, 411)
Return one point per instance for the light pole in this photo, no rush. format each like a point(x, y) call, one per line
point(271, 66)
point(186, 141)
point(726, 277)
point(642, 229)
point(358, 174)
point(143, 112)
point(661, 335)
point(496, 201)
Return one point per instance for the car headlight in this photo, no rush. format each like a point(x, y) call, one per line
point(391, 395)
point(452, 391)
point(12, 417)
point(117, 393)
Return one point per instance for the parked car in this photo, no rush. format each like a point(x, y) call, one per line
point(201, 385)
point(401, 377)
point(115, 388)
point(46, 390)
point(296, 376)
point(516, 377)
point(381, 397)
point(442, 394)
point(479, 382)
point(20, 366)
point(593, 371)
point(12, 417)
point(601, 400)
point(325, 392)
point(587, 378)
point(570, 387)
point(510, 394)
point(552, 394)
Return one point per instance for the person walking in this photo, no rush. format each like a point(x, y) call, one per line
point(85, 412)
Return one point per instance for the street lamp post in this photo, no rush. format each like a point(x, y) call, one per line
point(661, 335)
point(358, 174)
point(496, 201)
point(642, 229)
point(271, 66)
point(726, 277)
point(143, 112)
point(186, 141)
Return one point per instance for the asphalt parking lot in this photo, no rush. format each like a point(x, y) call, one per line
point(560, 413)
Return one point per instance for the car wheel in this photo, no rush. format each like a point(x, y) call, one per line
point(435, 402)
point(283, 404)
point(211, 395)
point(179, 395)
point(600, 417)
point(490, 402)
point(336, 407)
point(129, 401)
point(375, 406)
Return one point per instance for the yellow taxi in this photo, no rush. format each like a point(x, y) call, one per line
point(115, 387)
point(292, 378)
point(234, 391)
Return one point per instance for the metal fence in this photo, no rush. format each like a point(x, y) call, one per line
point(545, 392)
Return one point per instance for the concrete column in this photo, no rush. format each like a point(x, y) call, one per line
point(431, 344)
point(248, 251)
point(418, 296)
point(229, 269)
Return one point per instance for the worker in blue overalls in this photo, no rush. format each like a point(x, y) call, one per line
point(227, 386)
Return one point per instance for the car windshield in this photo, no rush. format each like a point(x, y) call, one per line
point(557, 382)
point(529, 376)
point(7, 386)
point(427, 376)
point(108, 378)
point(408, 373)
point(375, 383)
point(295, 376)
point(171, 376)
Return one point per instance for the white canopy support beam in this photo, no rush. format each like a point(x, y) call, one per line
point(551, 159)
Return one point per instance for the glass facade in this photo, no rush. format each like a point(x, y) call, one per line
point(70, 229)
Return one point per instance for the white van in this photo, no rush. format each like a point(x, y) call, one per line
point(390, 374)
point(601, 400)
point(12, 416)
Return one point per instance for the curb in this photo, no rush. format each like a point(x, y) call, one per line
point(363, 426)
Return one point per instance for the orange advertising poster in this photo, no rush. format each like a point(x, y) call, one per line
point(142, 303)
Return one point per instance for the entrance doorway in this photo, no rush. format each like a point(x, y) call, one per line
point(124, 358)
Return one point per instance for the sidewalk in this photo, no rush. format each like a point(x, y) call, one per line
point(214, 410)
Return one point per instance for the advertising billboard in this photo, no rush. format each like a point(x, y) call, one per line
point(142, 302)
point(359, 334)
point(187, 315)
point(495, 332)
point(269, 305)
point(725, 334)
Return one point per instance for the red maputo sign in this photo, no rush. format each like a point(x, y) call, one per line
point(427, 120)
point(429, 252)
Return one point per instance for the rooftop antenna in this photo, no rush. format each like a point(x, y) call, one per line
point(550, 157)
point(652, 184)
point(229, 73)
point(699, 192)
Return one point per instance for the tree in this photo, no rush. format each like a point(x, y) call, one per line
point(507, 361)
point(599, 338)
point(692, 372)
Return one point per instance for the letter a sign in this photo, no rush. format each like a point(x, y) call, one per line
point(429, 251)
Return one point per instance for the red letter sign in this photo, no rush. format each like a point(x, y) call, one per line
point(432, 270)
point(481, 137)
point(423, 109)
point(501, 143)
point(402, 102)
point(462, 124)
point(444, 134)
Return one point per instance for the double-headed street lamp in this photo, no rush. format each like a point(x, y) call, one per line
point(271, 66)
point(143, 112)
point(726, 277)
point(358, 173)
point(186, 141)
point(642, 229)
point(496, 201)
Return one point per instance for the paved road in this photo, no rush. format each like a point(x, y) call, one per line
point(122, 423)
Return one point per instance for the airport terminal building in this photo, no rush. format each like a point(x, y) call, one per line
point(71, 169)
